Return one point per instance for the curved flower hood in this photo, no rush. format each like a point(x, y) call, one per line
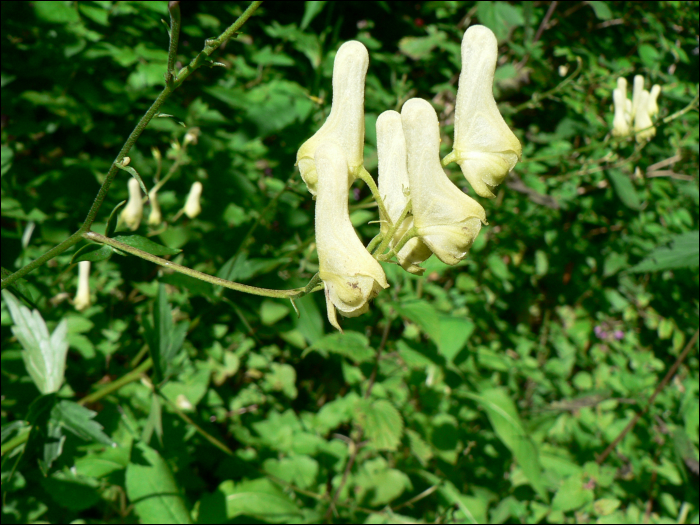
point(446, 218)
point(155, 217)
point(484, 146)
point(82, 297)
point(394, 188)
point(621, 120)
point(192, 205)
point(643, 126)
point(345, 124)
point(351, 275)
point(133, 211)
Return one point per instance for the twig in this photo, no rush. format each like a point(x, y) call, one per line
point(658, 389)
point(538, 34)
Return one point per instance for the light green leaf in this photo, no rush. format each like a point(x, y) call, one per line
point(311, 10)
point(601, 9)
point(682, 251)
point(272, 311)
point(44, 355)
point(454, 334)
point(80, 421)
point(381, 422)
point(260, 499)
point(424, 315)
point(152, 489)
point(351, 345)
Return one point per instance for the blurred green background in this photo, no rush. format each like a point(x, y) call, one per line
point(482, 392)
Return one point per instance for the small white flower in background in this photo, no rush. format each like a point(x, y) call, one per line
point(82, 297)
point(192, 206)
point(637, 89)
point(351, 275)
point(653, 106)
point(345, 124)
point(155, 217)
point(621, 120)
point(394, 188)
point(484, 146)
point(133, 211)
point(446, 218)
point(643, 126)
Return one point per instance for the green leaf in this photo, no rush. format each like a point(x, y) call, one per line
point(260, 499)
point(272, 311)
point(624, 189)
point(165, 338)
point(113, 219)
point(134, 174)
point(7, 155)
point(311, 10)
point(352, 345)
point(381, 422)
point(424, 315)
point(21, 286)
point(147, 245)
point(499, 17)
point(454, 334)
point(681, 251)
point(152, 489)
point(504, 418)
point(572, 494)
point(297, 470)
point(79, 420)
point(72, 491)
point(92, 253)
point(44, 355)
point(601, 9)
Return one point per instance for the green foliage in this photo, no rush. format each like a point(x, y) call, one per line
point(483, 392)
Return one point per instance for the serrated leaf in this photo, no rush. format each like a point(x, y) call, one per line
point(147, 245)
point(79, 420)
point(682, 251)
point(92, 253)
point(152, 489)
point(44, 355)
point(351, 345)
point(381, 422)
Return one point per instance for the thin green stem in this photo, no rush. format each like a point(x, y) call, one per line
point(211, 45)
point(539, 97)
point(367, 178)
point(280, 294)
point(410, 234)
point(174, 8)
point(374, 242)
point(392, 231)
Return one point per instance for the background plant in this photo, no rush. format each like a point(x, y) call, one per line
point(483, 392)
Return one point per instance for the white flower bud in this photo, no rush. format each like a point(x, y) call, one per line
point(192, 205)
point(82, 297)
point(621, 125)
point(155, 217)
point(637, 90)
point(394, 188)
point(351, 275)
point(653, 97)
point(484, 146)
point(133, 211)
point(345, 124)
point(642, 120)
point(446, 218)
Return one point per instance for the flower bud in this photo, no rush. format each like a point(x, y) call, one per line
point(621, 124)
point(637, 89)
point(394, 189)
point(351, 275)
point(345, 124)
point(484, 146)
point(653, 106)
point(643, 126)
point(446, 218)
point(155, 217)
point(192, 205)
point(82, 297)
point(133, 211)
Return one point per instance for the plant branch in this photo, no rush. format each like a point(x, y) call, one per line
point(174, 8)
point(265, 292)
point(671, 372)
point(392, 230)
point(410, 234)
point(367, 178)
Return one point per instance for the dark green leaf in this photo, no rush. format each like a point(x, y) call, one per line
point(92, 253)
point(147, 245)
point(79, 420)
point(624, 189)
point(681, 251)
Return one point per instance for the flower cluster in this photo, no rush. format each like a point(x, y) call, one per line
point(635, 115)
point(422, 212)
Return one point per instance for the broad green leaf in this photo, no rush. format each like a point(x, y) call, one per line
point(499, 17)
point(454, 334)
point(309, 323)
point(681, 251)
point(298, 470)
point(272, 311)
point(601, 9)
point(504, 418)
point(71, 490)
point(624, 189)
point(152, 489)
point(572, 495)
point(424, 315)
point(281, 378)
point(44, 355)
point(260, 499)
point(147, 245)
point(351, 345)
point(92, 253)
point(80, 421)
point(381, 422)
point(311, 10)
point(382, 483)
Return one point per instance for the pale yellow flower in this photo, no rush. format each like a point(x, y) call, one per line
point(82, 296)
point(133, 211)
point(484, 146)
point(192, 206)
point(637, 90)
point(394, 189)
point(351, 275)
point(643, 126)
point(447, 220)
point(345, 124)
point(155, 217)
point(621, 120)
point(653, 106)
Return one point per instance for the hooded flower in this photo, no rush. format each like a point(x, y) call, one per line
point(637, 90)
point(133, 211)
point(621, 120)
point(446, 218)
point(484, 146)
point(192, 206)
point(643, 126)
point(155, 217)
point(345, 124)
point(394, 188)
point(351, 275)
point(82, 297)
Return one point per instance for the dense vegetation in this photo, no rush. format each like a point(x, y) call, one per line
point(492, 391)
